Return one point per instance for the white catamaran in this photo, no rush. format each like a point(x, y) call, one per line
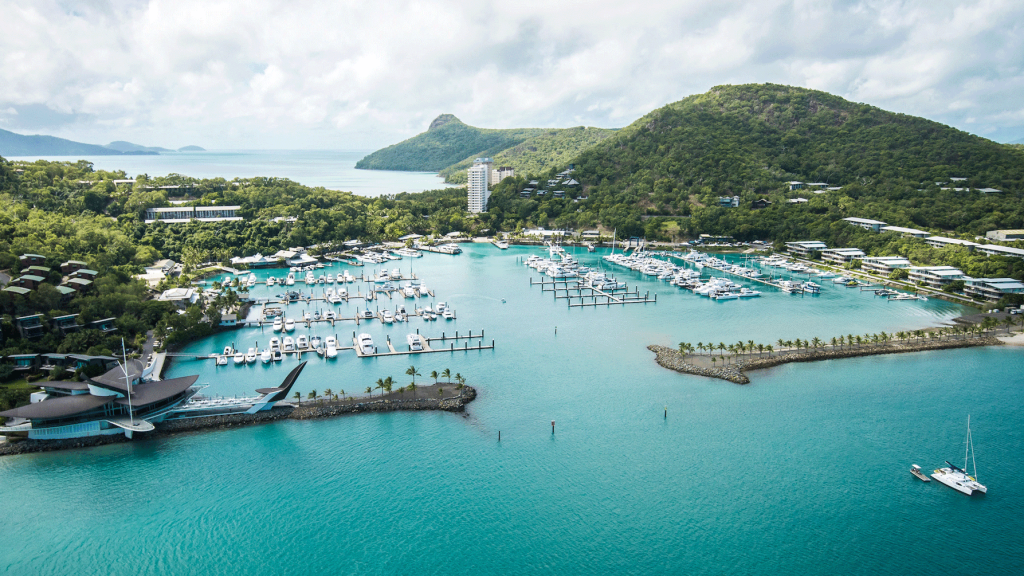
point(957, 478)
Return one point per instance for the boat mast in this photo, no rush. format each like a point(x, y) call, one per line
point(970, 441)
point(128, 383)
point(967, 443)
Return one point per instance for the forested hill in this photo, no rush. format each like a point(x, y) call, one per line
point(449, 147)
point(12, 144)
point(752, 138)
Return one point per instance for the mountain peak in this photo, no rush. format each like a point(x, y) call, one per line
point(442, 120)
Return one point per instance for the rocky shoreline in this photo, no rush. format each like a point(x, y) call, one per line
point(312, 411)
point(736, 370)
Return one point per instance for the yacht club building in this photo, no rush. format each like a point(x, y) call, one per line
point(805, 248)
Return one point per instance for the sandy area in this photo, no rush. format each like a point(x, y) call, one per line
point(1015, 340)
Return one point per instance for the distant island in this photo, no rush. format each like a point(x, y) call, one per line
point(13, 144)
point(449, 147)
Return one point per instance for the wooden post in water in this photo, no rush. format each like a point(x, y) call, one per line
point(552, 427)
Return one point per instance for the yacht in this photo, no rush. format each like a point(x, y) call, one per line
point(290, 279)
point(321, 279)
point(239, 358)
point(366, 344)
point(423, 290)
point(315, 342)
point(748, 293)
point(331, 347)
point(275, 353)
point(957, 478)
point(266, 356)
point(415, 344)
point(409, 292)
point(222, 360)
point(278, 324)
point(302, 342)
point(387, 317)
point(811, 287)
point(330, 316)
point(501, 244)
point(289, 345)
point(250, 356)
point(842, 280)
point(448, 314)
point(439, 307)
point(275, 343)
point(365, 315)
point(229, 351)
point(271, 281)
point(251, 281)
point(289, 325)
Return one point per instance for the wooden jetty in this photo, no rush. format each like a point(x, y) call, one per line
point(428, 346)
point(574, 289)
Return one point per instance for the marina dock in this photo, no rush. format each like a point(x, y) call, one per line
point(574, 289)
point(425, 342)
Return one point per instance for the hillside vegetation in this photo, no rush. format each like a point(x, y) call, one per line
point(449, 147)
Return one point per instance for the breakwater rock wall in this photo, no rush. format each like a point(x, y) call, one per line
point(735, 371)
point(311, 411)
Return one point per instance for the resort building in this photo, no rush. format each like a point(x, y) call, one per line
point(805, 248)
point(797, 201)
point(992, 288)
point(72, 265)
point(760, 203)
point(905, 231)
point(794, 185)
point(884, 264)
point(715, 238)
point(935, 276)
point(729, 201)
point(257, 261)
point(26, 260)
point(997, 250)
point(182, 214)
point(30, 327)
point(990, 191)
point(842, 255)
point(1005, 235)
point(499, 174)
point(479, 180)
point(867, 224)
point(180, 297)
point(942, 242)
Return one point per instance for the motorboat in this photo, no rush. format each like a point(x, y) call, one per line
point(239, 358)
point(439, 307)
point(222, 360)
point(387, 317)
point(289, 280)
point(278, 324)
point(748, 293)
point(501, 244)
point(330, 315)
point(956, 477)
point(366, 344)
point(448, 314)
point(916, 471)
point(315, 342)
point(229, 351)
point(250, 356)
point(276, 354)
point(342, 292)
point(271, 281)
point(365, 315)
point(409, 292)
point(302, 342)
point(423, 290)
point(266, 356)
point(289, 325)
point(289, 345)
point(811, 287)
point(415, 344)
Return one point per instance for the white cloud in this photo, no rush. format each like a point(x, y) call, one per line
point(276, 74)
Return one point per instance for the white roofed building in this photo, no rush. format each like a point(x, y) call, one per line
point(997, 250)
point(805, 248)
point(905, 231)
point(884, 264)
point(842, 255)
point(866, 223)
point(943, 242)
point(935, 276)
point(992, 288)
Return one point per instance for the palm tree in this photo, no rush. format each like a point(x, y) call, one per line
point(440, 392)
point(328, 393)
point(388, 382)
point(460, 379)
point(816, 342)
point(433, 374)
point(312, 394)
point(447, 374)
point(721, 348)
point(298, 396)
point(369, 390)
point(1009, 323)
point(380, 386)
point(770, 350)
point(342, 392)
point(833, 342)
point(412, 372)
point(732, 349)
point(713, 360)
point(751, 346)
point(760, 350)
point(849, 339)
point(700, 346)
point(781, 343)
point(413, 388)
point(858, 341)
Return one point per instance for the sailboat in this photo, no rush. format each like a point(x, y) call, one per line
point(957, 478)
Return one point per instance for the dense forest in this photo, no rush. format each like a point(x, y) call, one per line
point(449, 147)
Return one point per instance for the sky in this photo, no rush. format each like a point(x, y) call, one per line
point(340, 74)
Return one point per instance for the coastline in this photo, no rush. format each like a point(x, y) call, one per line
point(314, 410)
point(735, 371)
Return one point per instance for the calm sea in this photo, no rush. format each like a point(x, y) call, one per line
point(334, 169)
point(805, 470)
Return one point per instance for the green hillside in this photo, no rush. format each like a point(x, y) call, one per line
point(753, 137)
point(12, 144)
point(449, 147)
point(552, 149)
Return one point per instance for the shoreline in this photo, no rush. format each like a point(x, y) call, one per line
point(314, 410)
point(735, 372)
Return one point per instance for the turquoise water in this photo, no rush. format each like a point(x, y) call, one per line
point(805, 469)
point(334, 169)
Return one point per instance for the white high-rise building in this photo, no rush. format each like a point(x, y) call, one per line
point(479, 177)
